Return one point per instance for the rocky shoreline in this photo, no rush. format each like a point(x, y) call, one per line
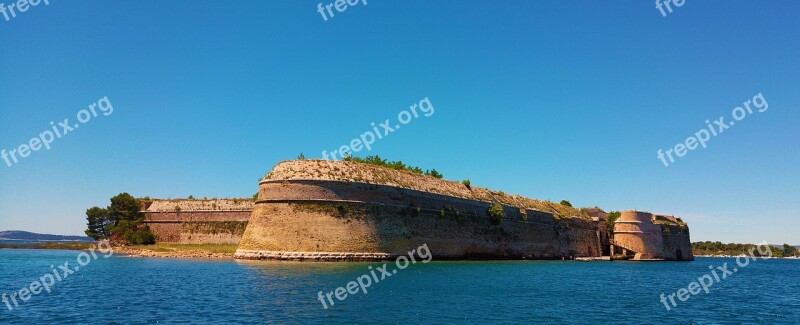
point(202, 254)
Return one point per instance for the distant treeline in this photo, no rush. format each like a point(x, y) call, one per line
point(718, 248)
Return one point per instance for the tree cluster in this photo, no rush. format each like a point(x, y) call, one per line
point(733, 249)
point(789, 250)
point(120, 221)
point(610, 218)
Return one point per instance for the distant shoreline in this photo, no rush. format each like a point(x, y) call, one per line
point(62, 245)
point(735, 256)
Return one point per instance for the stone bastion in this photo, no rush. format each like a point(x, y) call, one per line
point(338, 210)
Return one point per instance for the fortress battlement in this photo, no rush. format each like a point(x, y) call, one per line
point(355, 211)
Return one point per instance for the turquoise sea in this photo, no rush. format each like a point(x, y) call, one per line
point(122, 290)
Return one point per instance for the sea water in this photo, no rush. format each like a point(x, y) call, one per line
point(125, 290)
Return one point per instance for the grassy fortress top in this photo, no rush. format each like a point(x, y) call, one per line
point(171, 205)
point(366, 173)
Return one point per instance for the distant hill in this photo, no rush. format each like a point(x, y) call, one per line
point(16, 235)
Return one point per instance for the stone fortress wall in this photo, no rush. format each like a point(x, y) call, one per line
point(337, 210)
point(201, 221)
point(319, 210)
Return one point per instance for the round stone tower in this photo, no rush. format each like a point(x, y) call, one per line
point(636, 232)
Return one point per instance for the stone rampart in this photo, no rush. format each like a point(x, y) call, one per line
point(215, 221)
point(317, 215)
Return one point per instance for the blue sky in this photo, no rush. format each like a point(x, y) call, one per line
point(548, 99)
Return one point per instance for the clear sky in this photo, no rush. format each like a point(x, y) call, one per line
point(548, 99)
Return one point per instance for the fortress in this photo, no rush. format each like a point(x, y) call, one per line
point(316, 210)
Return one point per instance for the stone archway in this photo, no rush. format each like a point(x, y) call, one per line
point(679, 255)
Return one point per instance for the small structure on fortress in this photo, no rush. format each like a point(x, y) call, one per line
point(314, 210)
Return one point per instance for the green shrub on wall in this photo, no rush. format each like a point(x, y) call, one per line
point(496, 213)
point(396, 165)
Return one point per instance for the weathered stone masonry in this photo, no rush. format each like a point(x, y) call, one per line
point(305, 218)
point(653, 236)
point(217, 221)
point(342, 211)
